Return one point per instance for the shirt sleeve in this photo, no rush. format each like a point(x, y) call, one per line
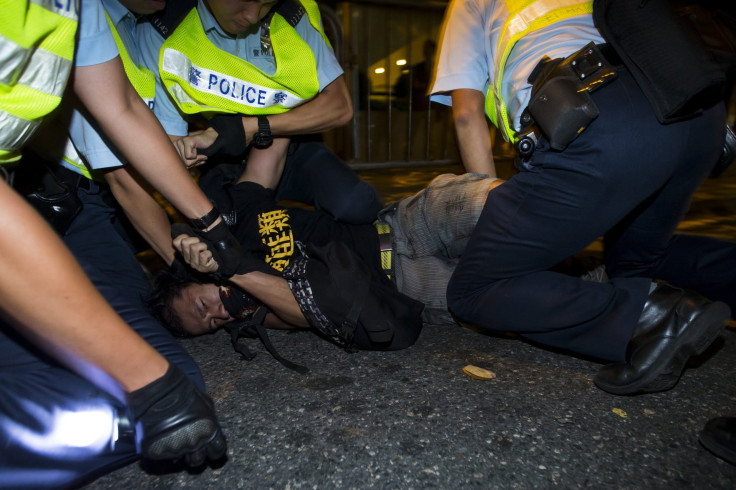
point(97, 152)
point(328, 68)
point(462, 61)
point(95, 44)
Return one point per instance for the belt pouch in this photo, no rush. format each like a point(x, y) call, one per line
point(560, 102)
point(53, 198)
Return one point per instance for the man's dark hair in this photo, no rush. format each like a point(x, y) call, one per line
point(166, 288)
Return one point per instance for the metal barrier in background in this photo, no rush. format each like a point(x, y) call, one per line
point(387, 50)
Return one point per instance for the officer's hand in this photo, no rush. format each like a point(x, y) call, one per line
point(175, 420)
point(188, 146)
point(230, 136)
point(224, 247)
point(192, 249)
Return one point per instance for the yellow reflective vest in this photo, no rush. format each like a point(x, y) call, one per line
point(203, 78)
point(524, 17)
point(142, 79)
point(36, 56)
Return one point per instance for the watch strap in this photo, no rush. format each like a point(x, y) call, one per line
point(204, 222)
point(263, 124)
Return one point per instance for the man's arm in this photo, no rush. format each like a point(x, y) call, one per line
point(331, 108)
point(274, 322)
point(38, 267)
point(266, 165)
point(473, 132)
point(133, 128)
point(141, 208)
point(274, 292)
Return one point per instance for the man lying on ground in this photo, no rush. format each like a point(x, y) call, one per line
point(415, 242)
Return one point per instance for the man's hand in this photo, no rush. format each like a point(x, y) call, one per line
point(194, 252)
point(176, 420)
point(220, 243)
point(189, 146)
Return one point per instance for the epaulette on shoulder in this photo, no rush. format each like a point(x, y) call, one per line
point(291, 10)
point(168, 19)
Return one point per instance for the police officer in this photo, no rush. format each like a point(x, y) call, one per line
point(89, 164)
point(83, 158)
point(268, 75)
point(625, 175)
point(60, 424)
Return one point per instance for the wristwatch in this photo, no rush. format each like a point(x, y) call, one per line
point(263, 136)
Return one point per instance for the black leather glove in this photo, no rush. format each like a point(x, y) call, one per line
point(230, 136)
point(224, 246)
point(177, 420)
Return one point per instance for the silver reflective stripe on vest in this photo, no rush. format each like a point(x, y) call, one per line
point(12, 56)
point(16, 130)
point(521, 20)
point(45, 72)
point(221, 85)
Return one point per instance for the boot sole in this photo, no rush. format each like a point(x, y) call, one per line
point(696, 338)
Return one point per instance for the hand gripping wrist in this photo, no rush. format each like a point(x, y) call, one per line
point(230, 136)
point(225, 249)
point(174, 419)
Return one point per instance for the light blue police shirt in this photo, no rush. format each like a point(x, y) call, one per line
point(89, 142)
point(95, 44)
point(247, 46)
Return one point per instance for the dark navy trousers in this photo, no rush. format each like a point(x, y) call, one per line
point(43, 405)
point(627, 178)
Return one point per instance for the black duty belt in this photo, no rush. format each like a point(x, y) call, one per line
point(72, 178)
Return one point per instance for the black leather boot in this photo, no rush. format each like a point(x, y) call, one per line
point(719, 437)
point(675, 325)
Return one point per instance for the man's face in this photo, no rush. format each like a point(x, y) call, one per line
point(238, 16)
point(143, 7)
point(200, 309)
